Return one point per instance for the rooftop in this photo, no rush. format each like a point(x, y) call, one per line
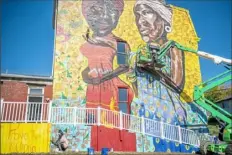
point(27, 78)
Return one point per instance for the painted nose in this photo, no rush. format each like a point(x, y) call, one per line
point(141, 21)
point(104, 13)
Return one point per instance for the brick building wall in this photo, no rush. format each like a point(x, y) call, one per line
point(48, 92)
point(17, 91)
point(14, 91)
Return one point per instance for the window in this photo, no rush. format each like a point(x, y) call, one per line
point(123, 100)
point(35, 94)
point(121, 53)
point(35, 99)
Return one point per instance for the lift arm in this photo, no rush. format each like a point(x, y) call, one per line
point(215, 110)
point(154, 52)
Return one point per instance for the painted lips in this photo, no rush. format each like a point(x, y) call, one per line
point(145, 32)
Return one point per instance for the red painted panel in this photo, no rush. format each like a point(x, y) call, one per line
point(119, 140)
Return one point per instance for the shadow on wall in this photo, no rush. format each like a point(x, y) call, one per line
point(196, 109)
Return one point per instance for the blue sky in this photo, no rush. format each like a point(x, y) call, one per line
point(27, 37)
point(27, 34)
point(212, 22)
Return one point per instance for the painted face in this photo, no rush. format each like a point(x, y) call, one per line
point(102, 16)
point(149, 23)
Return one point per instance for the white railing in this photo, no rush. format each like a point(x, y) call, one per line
point(43, 112)
point(122, 121)
point(73, 115)
point(153, 128)
point(171, 132)
point(189, 137)
point(24, 112)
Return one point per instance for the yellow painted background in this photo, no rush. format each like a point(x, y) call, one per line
point(69, 62)
point(25, 137)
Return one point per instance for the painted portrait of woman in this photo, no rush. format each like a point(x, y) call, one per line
point(103, 83)
point(153, 20)
point(100, 50)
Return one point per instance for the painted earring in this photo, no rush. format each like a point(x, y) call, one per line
point(167, 28)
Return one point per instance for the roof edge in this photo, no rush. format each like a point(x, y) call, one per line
point(18, 76)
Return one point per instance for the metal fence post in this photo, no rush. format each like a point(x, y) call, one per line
point(180, 135)
point(120, 120)
point(162, 129)
point(26, 112)
point(143, 125)
point(98, 115)
point(2, 100)
point(49, 111)
point(41, 116)
point(75, 115)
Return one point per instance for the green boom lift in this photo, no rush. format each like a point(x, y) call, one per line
point(151, 59)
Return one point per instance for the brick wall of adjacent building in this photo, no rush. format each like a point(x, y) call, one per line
point(17, 91)
point(48, 92)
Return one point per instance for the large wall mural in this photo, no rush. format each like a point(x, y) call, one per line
point(95, 65)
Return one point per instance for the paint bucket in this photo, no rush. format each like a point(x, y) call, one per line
point(90, 151)
point(105, 151)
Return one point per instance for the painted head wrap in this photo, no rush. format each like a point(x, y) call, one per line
point(118, 5)
point(159, 7)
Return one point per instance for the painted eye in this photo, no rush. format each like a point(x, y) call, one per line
point(147, 12)
point(96, 9)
